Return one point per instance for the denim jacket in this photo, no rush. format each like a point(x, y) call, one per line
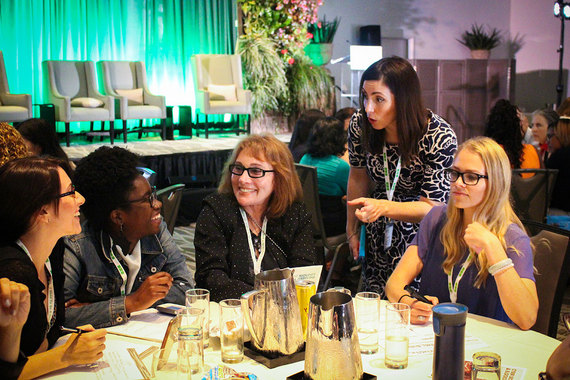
point(91, 277)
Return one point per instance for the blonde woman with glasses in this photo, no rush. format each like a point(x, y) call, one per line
point(473, 251)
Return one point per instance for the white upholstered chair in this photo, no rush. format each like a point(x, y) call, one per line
point(13, 107)
point(126, 82)
point(72, 88)
point(219, 89)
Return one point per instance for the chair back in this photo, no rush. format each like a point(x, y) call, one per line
point(551, 260)
point(221, 69)
point(4, 89)
point(171, 197)
point(308, 177)
point(531, 196)
point(118, 75)
point(72, 78)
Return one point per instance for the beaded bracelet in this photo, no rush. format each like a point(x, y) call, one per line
point(497, 267)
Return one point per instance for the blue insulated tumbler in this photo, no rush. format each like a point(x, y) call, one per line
point(449, 346)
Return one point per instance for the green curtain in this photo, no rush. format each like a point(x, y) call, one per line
point(162, 33)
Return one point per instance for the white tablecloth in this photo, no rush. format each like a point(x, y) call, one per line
point(522, 349)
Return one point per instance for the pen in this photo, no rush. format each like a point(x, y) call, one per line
point(72, 330)
point(416, 295)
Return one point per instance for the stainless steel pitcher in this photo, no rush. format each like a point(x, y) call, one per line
point(332, 350)
point(272, 314)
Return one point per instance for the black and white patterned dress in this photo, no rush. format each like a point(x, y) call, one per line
point(424, 176)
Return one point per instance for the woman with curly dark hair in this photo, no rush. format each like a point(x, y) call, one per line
point(11, 144)
point(124, 260)
point(327, 144)
point(504, 126)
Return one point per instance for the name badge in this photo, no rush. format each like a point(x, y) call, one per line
point(388, 234)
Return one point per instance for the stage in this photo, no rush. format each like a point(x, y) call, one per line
point(196, 162)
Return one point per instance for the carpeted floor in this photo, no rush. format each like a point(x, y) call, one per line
point(565, 309)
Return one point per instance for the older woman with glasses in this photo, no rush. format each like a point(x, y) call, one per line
point(125, 259)
point(473, 251)
point(255, 222)
point(39, 206)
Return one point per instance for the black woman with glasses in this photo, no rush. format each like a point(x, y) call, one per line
point(125, 259)
point(39, 206)
point(256, 220)
point(473, 251)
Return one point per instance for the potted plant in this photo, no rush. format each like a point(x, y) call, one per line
point(479, 41)
point(321, 35)
point(264, 72)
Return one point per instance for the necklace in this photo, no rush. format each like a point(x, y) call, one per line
point(256, 242)
point(262, 231)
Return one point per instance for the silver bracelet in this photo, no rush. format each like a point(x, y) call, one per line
point(503, 269)
point(503, 264)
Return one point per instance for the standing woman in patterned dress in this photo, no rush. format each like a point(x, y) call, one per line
point(393, 130)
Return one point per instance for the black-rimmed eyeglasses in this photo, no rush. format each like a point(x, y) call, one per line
point(150, 198)
point(72, 193)
point(253, 172)
point(470, 179)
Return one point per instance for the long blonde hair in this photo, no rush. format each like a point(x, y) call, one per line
point(287, 187)
point(494, 212)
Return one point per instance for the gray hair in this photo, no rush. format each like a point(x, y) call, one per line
point(550, 116)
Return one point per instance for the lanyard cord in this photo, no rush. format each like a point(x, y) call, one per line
point(389, 194)
point(118, 265)
point(50, 289)
point(390, 189)
point(256, 260)
point(453, 287)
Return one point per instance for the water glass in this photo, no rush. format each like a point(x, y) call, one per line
point(397, 335)
point(231, 331)
point(486, 366)
point(164, 365)
point(200, 298)
point(367, 320)
point(190, 342)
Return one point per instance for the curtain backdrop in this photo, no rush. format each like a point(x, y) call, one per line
point(162, 33)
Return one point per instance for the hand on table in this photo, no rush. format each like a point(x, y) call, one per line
point(14, 304)
point(420, 311)
point(85, 348)
point(154, 288)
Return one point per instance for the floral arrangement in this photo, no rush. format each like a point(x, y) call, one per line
point(277, 71)
point(322, 32)
point(283, 21)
